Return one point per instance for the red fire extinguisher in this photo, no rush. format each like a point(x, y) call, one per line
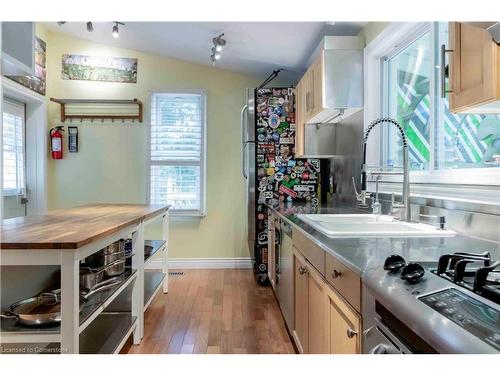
point(56, 143)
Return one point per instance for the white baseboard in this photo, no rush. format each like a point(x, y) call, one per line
point(202, 263)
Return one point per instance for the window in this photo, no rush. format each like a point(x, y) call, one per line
point(13, 148)
point(438, 139)
point(177, 168)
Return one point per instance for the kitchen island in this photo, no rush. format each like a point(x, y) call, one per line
point(65, 238)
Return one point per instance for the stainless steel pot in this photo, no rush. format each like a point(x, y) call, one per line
point(108, 255)
point(112, 253)
point(90, 276)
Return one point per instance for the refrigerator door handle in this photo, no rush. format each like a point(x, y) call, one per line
point(244, 160)
point(243, 123)
point(243, 141)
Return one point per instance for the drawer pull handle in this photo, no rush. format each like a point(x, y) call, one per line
point(336, 274)
point(351, 333)
point(302, 270)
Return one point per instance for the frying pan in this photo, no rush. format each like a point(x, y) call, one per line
point(45, 309)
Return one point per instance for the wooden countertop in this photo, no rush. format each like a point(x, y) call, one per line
point(72, 228)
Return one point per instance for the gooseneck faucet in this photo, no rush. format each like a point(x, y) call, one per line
point(405, 204)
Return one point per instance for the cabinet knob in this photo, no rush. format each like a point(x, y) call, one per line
point(336, 274)
point(302, 270)
point(351, 333)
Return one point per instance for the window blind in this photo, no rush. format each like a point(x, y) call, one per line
point(177, 151)
point(13, 149)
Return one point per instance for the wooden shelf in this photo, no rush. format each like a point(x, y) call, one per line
point(99, 116)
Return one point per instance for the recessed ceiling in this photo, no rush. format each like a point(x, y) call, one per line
point(255, 48)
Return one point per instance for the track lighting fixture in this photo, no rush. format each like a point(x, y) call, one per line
point(219, 43)
point(90, 27)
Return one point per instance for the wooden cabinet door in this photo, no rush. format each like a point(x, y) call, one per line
point(343, 325)
point(308, 94)
point(299, 119)
point(474, 67)
point(316, 327)
point(300, 302)
point(317, 79)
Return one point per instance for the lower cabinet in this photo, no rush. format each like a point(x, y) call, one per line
point(310, 314)
point(343, 325)
point(324, 322)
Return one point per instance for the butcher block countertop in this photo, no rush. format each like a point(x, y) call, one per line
point(73, 228)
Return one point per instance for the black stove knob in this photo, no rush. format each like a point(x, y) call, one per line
point(394, 263)
point(412, 273)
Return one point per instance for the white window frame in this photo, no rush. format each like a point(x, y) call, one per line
point(16, 108)
point(202, 212)
point(449, 183)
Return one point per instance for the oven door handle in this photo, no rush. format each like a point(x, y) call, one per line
point(387, 332)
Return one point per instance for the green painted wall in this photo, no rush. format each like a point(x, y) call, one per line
point(111, 163)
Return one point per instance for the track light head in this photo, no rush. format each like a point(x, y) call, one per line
point(116, 33)
point(60, 23)
point(90, 27)
point(219, 42)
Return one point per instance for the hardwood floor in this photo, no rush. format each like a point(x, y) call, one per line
point(214, 311)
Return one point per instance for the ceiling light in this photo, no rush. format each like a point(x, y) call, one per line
point(60, 23)
point(219, 43)
point(116, 33)
point(90, 27)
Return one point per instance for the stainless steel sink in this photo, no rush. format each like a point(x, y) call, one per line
point(368, 225)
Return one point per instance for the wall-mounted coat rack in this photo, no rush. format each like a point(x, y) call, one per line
point(100, 109)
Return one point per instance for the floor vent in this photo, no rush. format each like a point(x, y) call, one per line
point(179, 273)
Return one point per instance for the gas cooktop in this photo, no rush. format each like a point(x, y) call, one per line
point(454, 306)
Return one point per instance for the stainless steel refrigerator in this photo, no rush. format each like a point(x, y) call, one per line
point(272, 173)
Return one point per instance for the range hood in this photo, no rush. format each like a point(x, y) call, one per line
point(342, 78)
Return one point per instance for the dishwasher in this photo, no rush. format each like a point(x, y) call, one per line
point(284, 274)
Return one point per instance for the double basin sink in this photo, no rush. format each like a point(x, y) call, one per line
point(369, 225)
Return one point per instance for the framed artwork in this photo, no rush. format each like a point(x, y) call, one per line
point(99, 68)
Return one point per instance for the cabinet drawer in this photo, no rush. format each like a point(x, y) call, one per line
point(312, 252)
point(345, 281)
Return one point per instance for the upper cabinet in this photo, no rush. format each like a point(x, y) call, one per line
point(474, 70)
point(331, 86)
point(18, 48)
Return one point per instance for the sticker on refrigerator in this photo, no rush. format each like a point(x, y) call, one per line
point(274, 121)
point(287, 191)
point(303, 188)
